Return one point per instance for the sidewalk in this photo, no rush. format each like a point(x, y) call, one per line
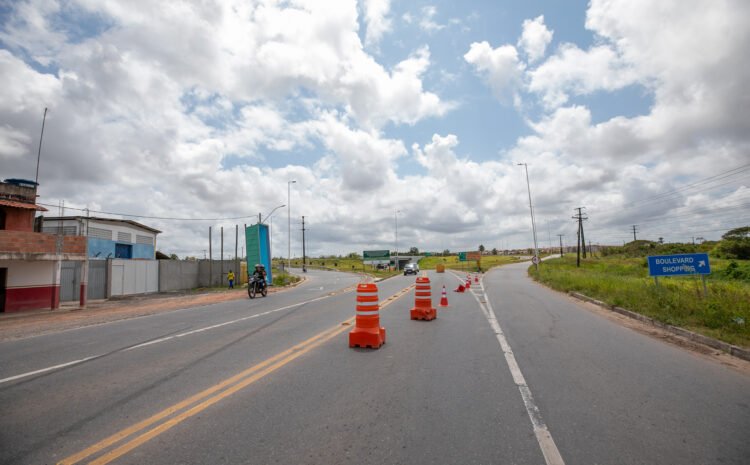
point(34, 323)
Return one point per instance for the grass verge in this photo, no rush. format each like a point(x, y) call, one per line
point(723, 314)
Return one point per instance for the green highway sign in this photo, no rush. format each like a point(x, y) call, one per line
point(376, 256)
point(461, 256)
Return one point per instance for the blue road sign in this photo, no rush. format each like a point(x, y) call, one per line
point(676, 265)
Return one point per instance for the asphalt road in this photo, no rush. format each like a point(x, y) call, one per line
point(517, 375)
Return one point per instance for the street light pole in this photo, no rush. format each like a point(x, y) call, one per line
point(533, 223)
point(289, 223)
point(395, 216)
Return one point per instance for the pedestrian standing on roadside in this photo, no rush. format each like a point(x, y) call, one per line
point(230, 277)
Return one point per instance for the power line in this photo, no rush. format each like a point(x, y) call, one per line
point(710, 179)
point(152, 217)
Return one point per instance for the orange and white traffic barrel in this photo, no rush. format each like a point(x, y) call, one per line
point(423, 309)
point(367, 331)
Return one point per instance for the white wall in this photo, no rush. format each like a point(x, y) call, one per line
point(29, 274)
point(130, 277)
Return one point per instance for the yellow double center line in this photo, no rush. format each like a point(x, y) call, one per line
point(153, 426)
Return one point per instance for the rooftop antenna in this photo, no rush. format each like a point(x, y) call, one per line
point(39, 153)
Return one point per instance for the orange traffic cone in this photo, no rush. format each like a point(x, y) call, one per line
point(423, 309)
point(460, 288)
point(444, 299)
point(468, 282)
point(476, 278)
point(367, 331)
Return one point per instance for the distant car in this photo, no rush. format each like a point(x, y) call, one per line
point(411, 268)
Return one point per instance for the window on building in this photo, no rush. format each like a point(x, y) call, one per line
point(100, 233)
point(60, 230)
point(145, 240)
point(124, 237)
point(2, 218)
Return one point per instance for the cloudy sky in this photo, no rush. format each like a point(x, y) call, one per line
point(202, 111)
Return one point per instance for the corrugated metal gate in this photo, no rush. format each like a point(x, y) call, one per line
point(70, 281)
point(97, 287)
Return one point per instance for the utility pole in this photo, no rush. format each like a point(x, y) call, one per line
point(581, 239)
point(561, 248)
point(635, 229)
point(304, 267)
point(210, 260)
point(533, 223)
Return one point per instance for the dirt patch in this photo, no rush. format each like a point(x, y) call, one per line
point(22, 325)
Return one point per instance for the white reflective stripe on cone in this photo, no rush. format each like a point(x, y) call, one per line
point(364, 313)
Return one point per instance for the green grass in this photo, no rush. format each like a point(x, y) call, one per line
point(679, 301)
point(451, 261)
point(281, 278)
point(342, 264)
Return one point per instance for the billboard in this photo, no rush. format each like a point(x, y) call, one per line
point(258, 246)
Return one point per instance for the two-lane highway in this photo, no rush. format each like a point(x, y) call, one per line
point(510, 372)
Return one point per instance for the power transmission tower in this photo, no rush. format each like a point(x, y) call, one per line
point(581, 238)
point(635, 229)
point(304, 266)
point(561, 248)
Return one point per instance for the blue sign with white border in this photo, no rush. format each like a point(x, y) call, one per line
point(677, 265)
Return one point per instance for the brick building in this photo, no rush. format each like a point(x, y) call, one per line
point(30, 261)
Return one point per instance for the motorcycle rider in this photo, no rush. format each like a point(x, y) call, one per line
point(260, 274)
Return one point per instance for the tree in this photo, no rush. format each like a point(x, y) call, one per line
point(173, 256)
point(446, 252)
point(481, 248)
point(161, 256)
point(413, 251)
point(494, 251)
point(661, 240)
point(736, 243)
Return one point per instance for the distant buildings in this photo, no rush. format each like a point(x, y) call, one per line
point(107, 237)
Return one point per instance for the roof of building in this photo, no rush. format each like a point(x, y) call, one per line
point(24, 205)
point(96, 218)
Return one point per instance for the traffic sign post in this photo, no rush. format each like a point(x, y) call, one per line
point(680, 265)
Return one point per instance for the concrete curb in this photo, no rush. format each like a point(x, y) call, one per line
point(735, 351)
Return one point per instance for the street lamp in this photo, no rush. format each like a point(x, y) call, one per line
point(533, 223)
point(395, 216)
point(270, 229)
point(289, 222)
point(260, 219)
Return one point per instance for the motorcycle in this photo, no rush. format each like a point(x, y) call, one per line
point(255, 286)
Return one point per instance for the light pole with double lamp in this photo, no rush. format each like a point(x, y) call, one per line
point(289, 223)
point(533, 223)
point(395, 216)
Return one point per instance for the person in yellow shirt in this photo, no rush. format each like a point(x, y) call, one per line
point(230, 277)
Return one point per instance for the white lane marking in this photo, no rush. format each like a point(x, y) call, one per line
point(200, 330)
point(36, 372)
point(544, 438)
point(163, 339)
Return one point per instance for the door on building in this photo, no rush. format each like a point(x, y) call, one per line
point(97, 288)
point(70, 281)
point(3, 284)
point(123, 251)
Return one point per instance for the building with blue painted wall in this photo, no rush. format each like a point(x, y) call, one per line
point(107, 237)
